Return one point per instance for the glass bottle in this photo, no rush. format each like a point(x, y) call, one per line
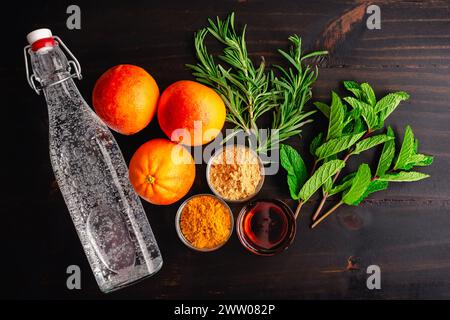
point(91, 172)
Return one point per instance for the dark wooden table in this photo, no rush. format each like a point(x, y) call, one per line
point(405, 230)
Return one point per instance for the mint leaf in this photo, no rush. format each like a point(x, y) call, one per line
point(387, 155)
point(327, 186)
point(337, 115)
point(366, 110)
point(345, 184)
point(369, 94)
point(358, 126)
point(315, 143)
point(322, 174)
point(297, 173)
point(408, 156)
point(404, 176)
point(373, 187)
point(421, 160)
point(351, 120)
point(386, 105)
point(337, 145)
point(324, 108)
point(370, 118)
point(293, 185)
point(371, 142)
point(359, 186)
point(355, 114)
point(407, 150)
point(354, 88)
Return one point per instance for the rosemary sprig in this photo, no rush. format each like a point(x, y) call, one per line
point(294, 84)
point(250, 91)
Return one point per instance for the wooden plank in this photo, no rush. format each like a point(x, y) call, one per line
point(413, 258)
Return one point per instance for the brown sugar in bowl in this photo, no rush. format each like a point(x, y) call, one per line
point(235, 173)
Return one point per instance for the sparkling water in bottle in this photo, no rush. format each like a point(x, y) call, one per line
point(90, 171)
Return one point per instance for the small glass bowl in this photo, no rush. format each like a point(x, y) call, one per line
point(258, 187)
point(283, 244)
point(178, 226)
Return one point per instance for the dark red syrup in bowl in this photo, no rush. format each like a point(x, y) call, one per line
point(266, 227)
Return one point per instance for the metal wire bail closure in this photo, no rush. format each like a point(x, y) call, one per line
point(36, 83)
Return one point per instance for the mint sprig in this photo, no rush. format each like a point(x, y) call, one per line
point(363, 184)
point(352, 125)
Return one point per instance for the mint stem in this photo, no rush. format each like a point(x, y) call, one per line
point(340, 203)
point(299, 207)
point(313, 169)
point(320, 207)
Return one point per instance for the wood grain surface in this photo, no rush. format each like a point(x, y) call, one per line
point(405, 230)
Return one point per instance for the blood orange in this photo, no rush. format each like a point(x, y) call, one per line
point(162, 172)
point(125, 98)
point(194, 108)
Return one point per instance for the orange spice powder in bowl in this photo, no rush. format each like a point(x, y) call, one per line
point(204, 222)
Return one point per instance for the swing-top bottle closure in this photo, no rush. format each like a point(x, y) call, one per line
point(40, 41)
